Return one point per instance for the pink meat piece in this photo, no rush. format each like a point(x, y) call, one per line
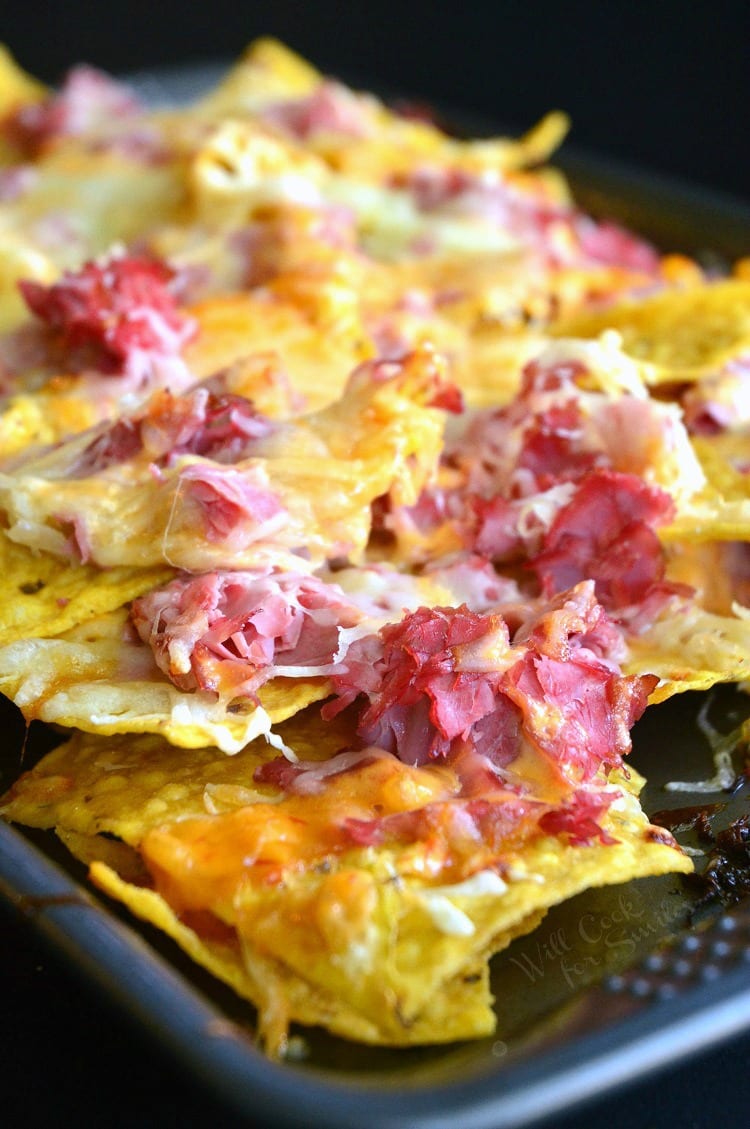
point(236, 506)
point(88, 100)
point(606, 533)
point(228, 631)
point(213, 425)
point(111, 313)
point(430, 688)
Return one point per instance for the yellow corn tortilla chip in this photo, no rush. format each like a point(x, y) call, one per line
point(37, 419)
point(43, 595)
point(234, 327)
point(404, 940)
point(123, 785)
point(89, 849)
point(691, 649)
point(720, 511)
point(270, 73)
point(677, 334)
point(382, 949)
point(16, 86)
point(461, 1010)
point(97, 679)
point(323, 471)
point(267, 70)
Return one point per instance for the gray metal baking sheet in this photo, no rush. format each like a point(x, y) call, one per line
point(614, 985)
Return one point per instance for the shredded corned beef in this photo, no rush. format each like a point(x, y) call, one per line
point(119, 442)
point(449, 398)
point(445, 685)
point(218, 426)
point(78, 545)
point(230, 631)
point(579, 712)
point(281, 773)
point(445, 677)
point(495, 534)
point(571, 621)
point(510, 469)
point(474, 825)
point(306, 778)
point(606, 533)
point(418, 702)
point(539, 376)
point(213, 425)
point(236, 507)
point(112, 314)
point(534, 483)
point(87, 100)
point(476, 777)
point(539, 440)
point(611, 245)
point(471, 829)
point(551, 450)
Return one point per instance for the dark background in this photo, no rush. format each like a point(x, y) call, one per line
point(661, 85)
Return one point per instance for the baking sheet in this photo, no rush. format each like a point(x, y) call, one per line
point(590, 1000)
point(586, 1002)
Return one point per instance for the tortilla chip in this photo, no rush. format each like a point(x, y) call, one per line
point(123, 785)
point(677, 334)
point(346, 931)
point(39, 419)
point(319, 362)
point(16, 86)
point(462, 1009)
point(97, 679)
point(90, 849)
point(691, 649)
point(43, 595)
point(267, 70)
point(402, 946)
point(720, 511)
point(270, 73)
point(415, 984)
point(321, 472)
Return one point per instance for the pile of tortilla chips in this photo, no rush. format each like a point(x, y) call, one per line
point(345, 269)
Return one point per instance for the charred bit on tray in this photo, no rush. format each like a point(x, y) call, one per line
point(727, 876)
point(688, 819)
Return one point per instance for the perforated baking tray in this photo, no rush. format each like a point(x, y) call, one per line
point(615, 984)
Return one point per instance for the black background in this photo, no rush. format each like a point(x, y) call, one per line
point(662, 85)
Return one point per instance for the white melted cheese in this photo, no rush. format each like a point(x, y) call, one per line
point(447, 916)
point(240, 166)
point(391, 224)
